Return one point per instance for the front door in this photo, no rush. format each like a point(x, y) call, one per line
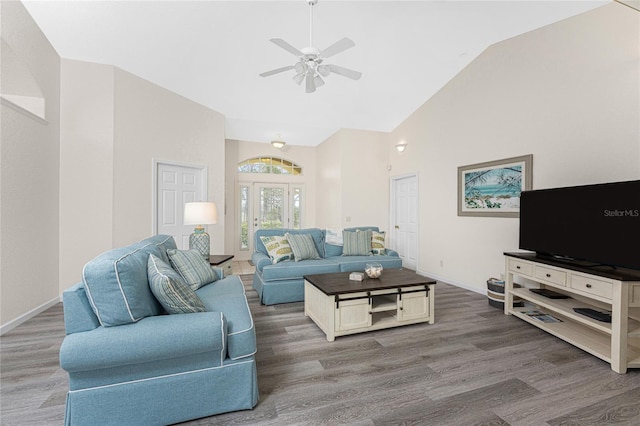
point(270, 206)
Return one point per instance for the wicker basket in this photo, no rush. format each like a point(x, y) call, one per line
point(495, 294)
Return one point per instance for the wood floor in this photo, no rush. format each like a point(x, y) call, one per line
point(474, 366)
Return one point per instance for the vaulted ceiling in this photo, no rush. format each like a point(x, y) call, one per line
point(212, 52)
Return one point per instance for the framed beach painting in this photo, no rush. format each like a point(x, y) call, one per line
point(493, 188)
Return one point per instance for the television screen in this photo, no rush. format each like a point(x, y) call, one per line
point(598, 224)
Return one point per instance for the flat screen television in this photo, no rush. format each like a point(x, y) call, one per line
point(598, 225)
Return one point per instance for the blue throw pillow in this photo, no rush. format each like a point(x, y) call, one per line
point(192, 267)
point(356, 243)
point(117, 287)
point(302, 246)
point(169, 288)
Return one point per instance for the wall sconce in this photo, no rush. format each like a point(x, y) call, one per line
point(401, 146)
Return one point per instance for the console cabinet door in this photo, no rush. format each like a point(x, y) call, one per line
point(353, 314)
point(414, 306)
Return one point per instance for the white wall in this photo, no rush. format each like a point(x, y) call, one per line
point(329, 178)
point(86, 165)
point(29, 156)
point(114, 125)
point(567, 93)
point(155, 123)
point(353, 180)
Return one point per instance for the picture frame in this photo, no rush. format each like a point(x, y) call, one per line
point(492, 189)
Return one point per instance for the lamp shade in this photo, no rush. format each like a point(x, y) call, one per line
point(200, 213)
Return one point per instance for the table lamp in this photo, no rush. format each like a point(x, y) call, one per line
point(199, 214)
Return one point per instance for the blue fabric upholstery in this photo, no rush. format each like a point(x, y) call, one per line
point(78, 313)
point(117, 287)
point(284, 281)
point(163, 242)
point(230, 298)
point(160, 369)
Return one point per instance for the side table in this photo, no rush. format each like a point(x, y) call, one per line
point(222, 261)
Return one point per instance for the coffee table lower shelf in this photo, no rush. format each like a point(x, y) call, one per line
point(351, 313)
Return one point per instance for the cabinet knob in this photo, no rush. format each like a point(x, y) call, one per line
point(517, 267)
point(548, 275)
point(588, 285)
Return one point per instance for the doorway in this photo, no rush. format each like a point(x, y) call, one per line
point(176, 184)
point(405, 219)
point(266, 206)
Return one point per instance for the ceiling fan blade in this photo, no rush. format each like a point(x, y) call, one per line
point(286, 46)
point(345, 72)
point(276, 71)
point(311, 86)
point(337, 47)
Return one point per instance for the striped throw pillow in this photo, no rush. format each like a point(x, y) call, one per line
point(196, 271)
point(170, 289)
point(356, 243)
point(377, 243)
point(302, 246)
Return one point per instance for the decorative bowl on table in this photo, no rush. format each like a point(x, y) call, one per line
point(373, 270)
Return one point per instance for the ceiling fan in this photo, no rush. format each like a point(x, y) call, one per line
point(310, 66)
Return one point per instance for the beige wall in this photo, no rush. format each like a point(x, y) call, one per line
point(567, 93)
point(86, 165)
point(29, 156)
point(114, 125)
point(153, 123)
point(353, 180)
point(329, 178)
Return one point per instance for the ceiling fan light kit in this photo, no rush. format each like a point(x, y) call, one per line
point(310, 66)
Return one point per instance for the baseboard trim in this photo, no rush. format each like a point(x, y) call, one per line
point(27, 316)
point(455, 283)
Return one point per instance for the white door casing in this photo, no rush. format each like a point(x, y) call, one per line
point(266, 205)
point(176, 184)
point(404, 219)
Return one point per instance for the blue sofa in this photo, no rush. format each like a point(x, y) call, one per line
point(283, 282)
point(158, 368)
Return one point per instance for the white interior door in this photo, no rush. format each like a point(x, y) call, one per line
point(176, 185)
point(404, 213)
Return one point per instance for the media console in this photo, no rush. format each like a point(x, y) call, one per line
point(618, 291)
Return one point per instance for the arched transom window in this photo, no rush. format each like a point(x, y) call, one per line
point(274, 165)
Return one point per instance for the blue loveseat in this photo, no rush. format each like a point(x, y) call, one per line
point(131, 364)
point(283, 282)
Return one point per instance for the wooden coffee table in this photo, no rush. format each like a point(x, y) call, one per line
point(340, 306)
